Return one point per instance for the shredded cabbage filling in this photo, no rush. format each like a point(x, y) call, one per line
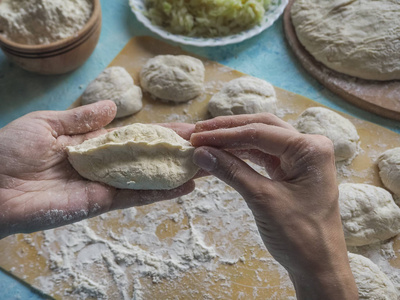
point(206, 18)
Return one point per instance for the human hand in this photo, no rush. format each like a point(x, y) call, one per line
point(39, 189)
point(296, 210)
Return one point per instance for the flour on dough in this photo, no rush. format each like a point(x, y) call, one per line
point(389, 170)
point(371, 282)
point(137, 156)
point(369, 214)
point(359, 37)
point(115, 84)
point(244, 95)
point(177, 78)
point(343, 134)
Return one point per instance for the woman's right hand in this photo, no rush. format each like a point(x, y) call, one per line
point(296, 209)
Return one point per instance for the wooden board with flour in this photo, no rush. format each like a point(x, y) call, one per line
point(379, 97)
point(202, 246)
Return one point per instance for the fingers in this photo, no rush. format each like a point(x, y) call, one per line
point(129, 198)
point(229, 169)
point(269, 162)
point(201, 173)
point(82, 119)
point(269, 139)
point(241, 120)
point(183, 129)
point(65, 140)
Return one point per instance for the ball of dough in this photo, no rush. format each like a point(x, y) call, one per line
point(389, 170)
point(371, 282)
point(369, 214)
point(177, 78)
point(343, 134)
point(137, 156)
point(115, 84)
point(244, 95)
point(359, 38)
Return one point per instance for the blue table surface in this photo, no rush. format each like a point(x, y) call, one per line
point(266, 56)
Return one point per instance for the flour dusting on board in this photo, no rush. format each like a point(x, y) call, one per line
point(201, 246)
point(139, 252)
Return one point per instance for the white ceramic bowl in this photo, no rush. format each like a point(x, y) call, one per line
point(275, 10)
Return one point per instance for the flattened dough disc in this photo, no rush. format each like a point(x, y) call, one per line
point(379, 97)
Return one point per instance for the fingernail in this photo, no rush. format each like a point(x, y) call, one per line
point(204, 160)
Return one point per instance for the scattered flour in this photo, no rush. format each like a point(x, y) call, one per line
point(137, 252)
point(204, 245)
point(42, 21)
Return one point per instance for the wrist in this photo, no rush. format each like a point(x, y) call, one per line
point(334, 283)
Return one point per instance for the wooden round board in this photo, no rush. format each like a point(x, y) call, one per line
point(379, 97)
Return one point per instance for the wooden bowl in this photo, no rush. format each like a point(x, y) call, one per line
point(61, 56)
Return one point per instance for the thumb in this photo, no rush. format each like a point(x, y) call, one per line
point(82, 119)
point(230, 169)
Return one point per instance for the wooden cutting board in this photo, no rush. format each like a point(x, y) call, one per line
point(254, 276)
point(379, 97)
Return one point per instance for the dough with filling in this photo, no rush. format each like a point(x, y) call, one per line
point(244, 95)
point(115, 84)
point(371, 282)
point(137, 156)
point(359, 37)
point(323, 121)
point(389, 170)
point(177, 78)
point(369, 214)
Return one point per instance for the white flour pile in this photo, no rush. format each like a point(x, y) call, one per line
point(38, 22)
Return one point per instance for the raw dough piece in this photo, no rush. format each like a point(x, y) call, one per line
point(389, 170)
point(358, 37)
point(343, 134)
point(137, 156)
point(368, 213)
point(177, 78)
point(244, 95)
point(115, 84)
point(372, 283)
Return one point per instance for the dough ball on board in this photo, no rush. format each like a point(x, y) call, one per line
point(359, 38)
point(369, 214)
point(177, 78)
point(137, 156)
point(389, 170)
point(244, 95)
point(115, 84)
point(371, 282)
point(343, 134)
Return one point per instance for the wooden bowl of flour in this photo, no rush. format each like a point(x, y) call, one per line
point(61, 56)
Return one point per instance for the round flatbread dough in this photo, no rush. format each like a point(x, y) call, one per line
point(177, 78)
point(371, 282)
point(359, 38)
point(369, 214)
point(343, 134)
point(137, 156)
point(389, 170)
point(115, 84)
point(244, 95)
